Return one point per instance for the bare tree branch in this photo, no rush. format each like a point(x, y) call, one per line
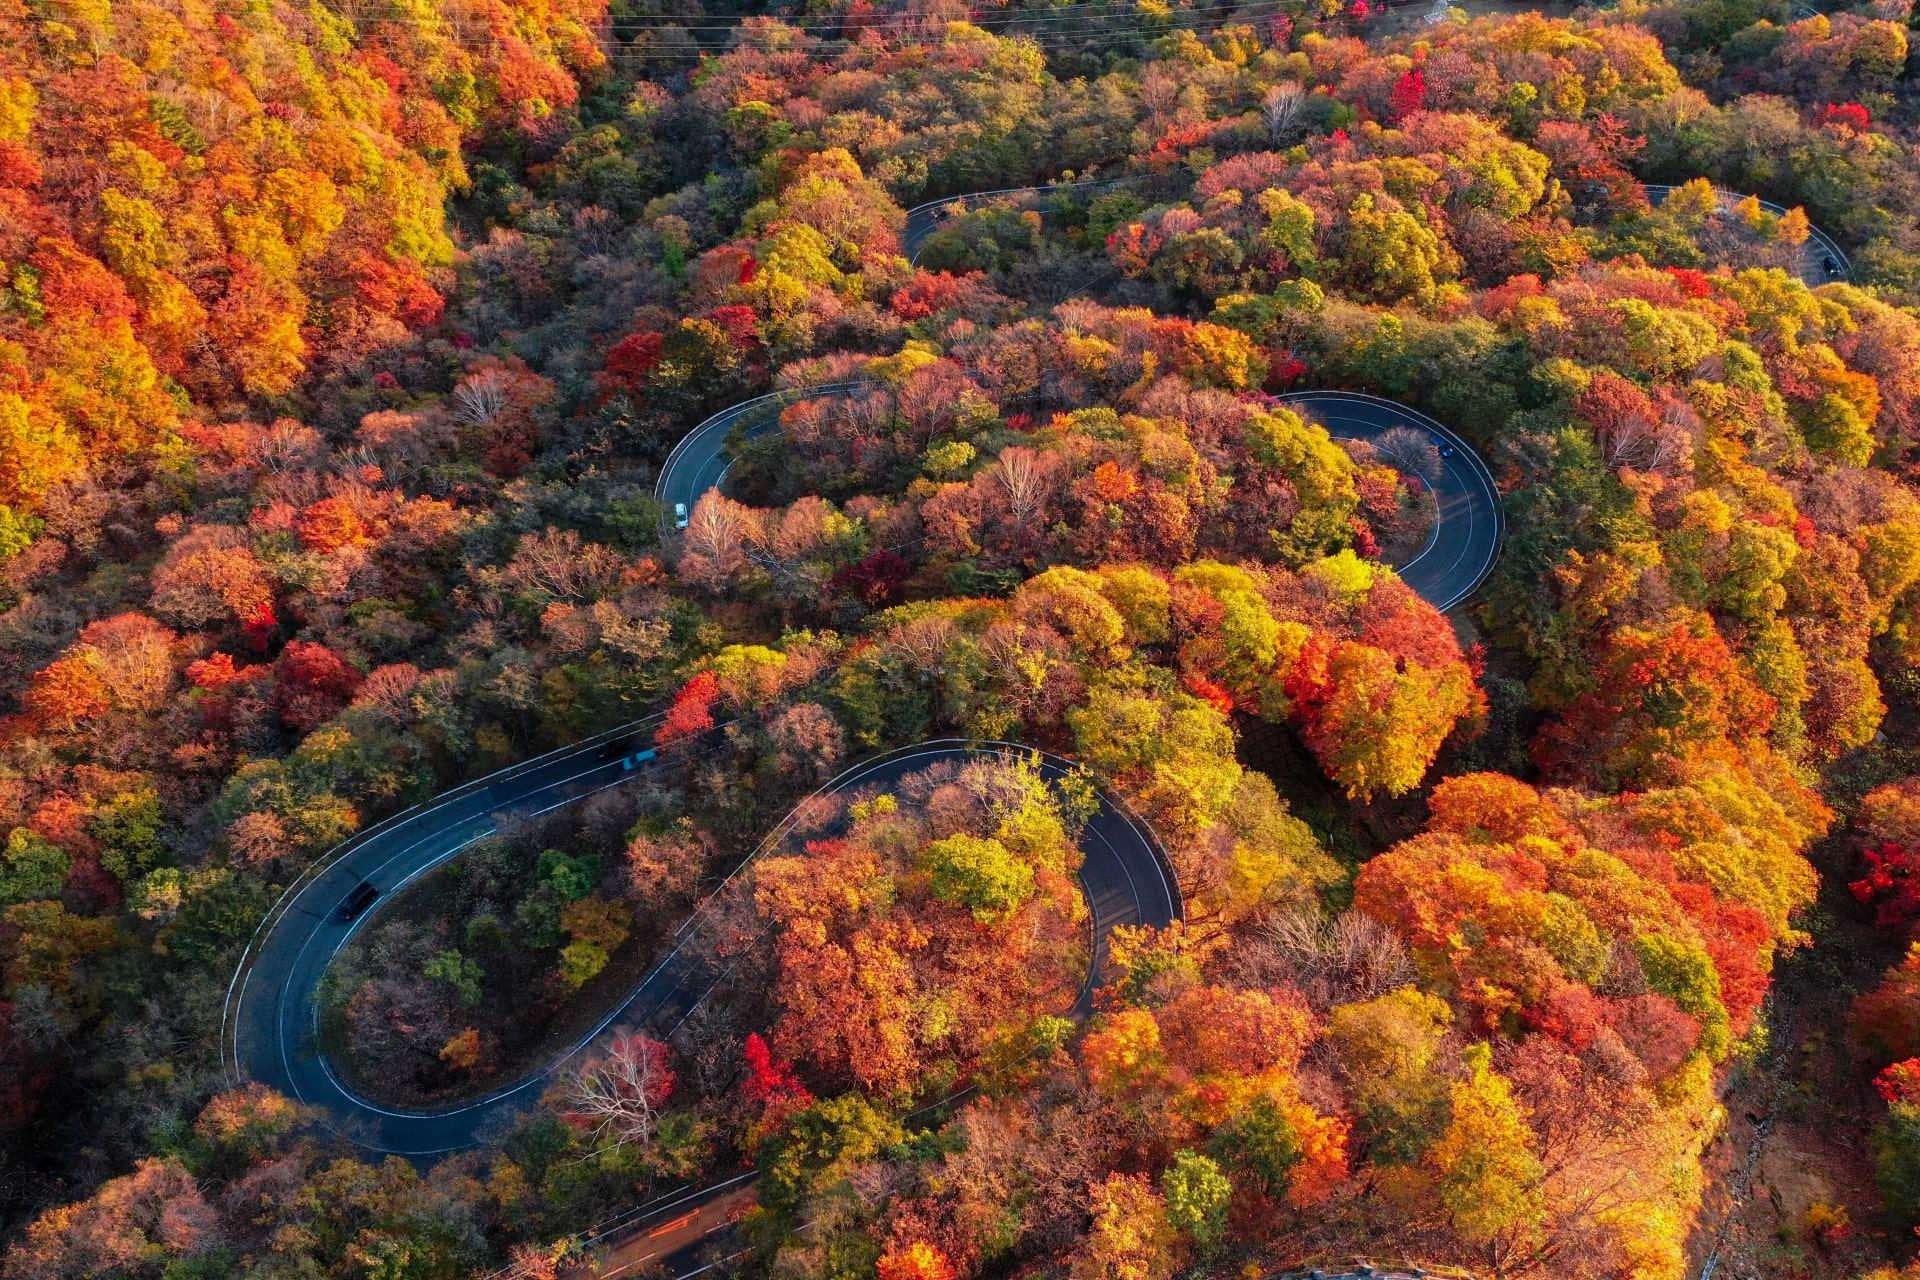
point(618, 1096)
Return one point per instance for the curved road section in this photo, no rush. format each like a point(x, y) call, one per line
point(1466, 537)
point(1458, 555)
point(925, 219)
point(1124, 870)
point(272, 1017)
point(1822, 260)
point(269, 1021)
point(1457, 558)
point(700, 462)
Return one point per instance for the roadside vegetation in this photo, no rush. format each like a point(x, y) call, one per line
point(488, 966)
point(340, 348)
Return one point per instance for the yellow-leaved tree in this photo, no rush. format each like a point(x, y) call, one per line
point(1490, 1180)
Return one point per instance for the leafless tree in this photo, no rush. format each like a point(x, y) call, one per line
point(1282, 107)
point(1026, 479)
point(1410, 450)
point(388, 691)
point(932, 400)
point(289, 446)
point(715, 542)
point(618, 1095)
point(809, 740)
point(1330, 961)
point(560, 564)
point(594, 229)
point(481, 398)
point(923, 642)
point(1649, 444)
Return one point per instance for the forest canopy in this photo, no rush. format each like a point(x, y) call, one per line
point(343, 352)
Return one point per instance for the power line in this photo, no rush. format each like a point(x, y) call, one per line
point(1051, 29)
point(694, 48)
point(823, 44)
point(1084, 13)
point(1047, 39)
point(1098, 10)
point(1042, 28)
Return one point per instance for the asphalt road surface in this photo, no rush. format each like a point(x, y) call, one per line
point(673, 1232)
point(699, 462)
point(925, 219)
point(677, 1240)
point(1822, 260)
point(271, 1015)
point(268, 1028)
point(1461, 551)
point(1466, 538)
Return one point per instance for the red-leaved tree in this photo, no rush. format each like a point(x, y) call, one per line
point(1891, 887)
point(313, 684)
point(1850, 114)
point(1408, 96)
point(771, 1082)
point(692, 710)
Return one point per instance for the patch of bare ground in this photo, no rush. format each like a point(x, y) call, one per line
point(1812, 1211)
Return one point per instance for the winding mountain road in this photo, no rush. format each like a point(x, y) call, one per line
point(271, 1022)
point(270, 1028)
point(925, 219)
point(1465, 541)
point(1822, 260)
point(699, 462)
point(1459, 553)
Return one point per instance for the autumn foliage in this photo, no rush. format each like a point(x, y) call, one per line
point(692, 710)
point(918, 1261)
point(341, 350)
